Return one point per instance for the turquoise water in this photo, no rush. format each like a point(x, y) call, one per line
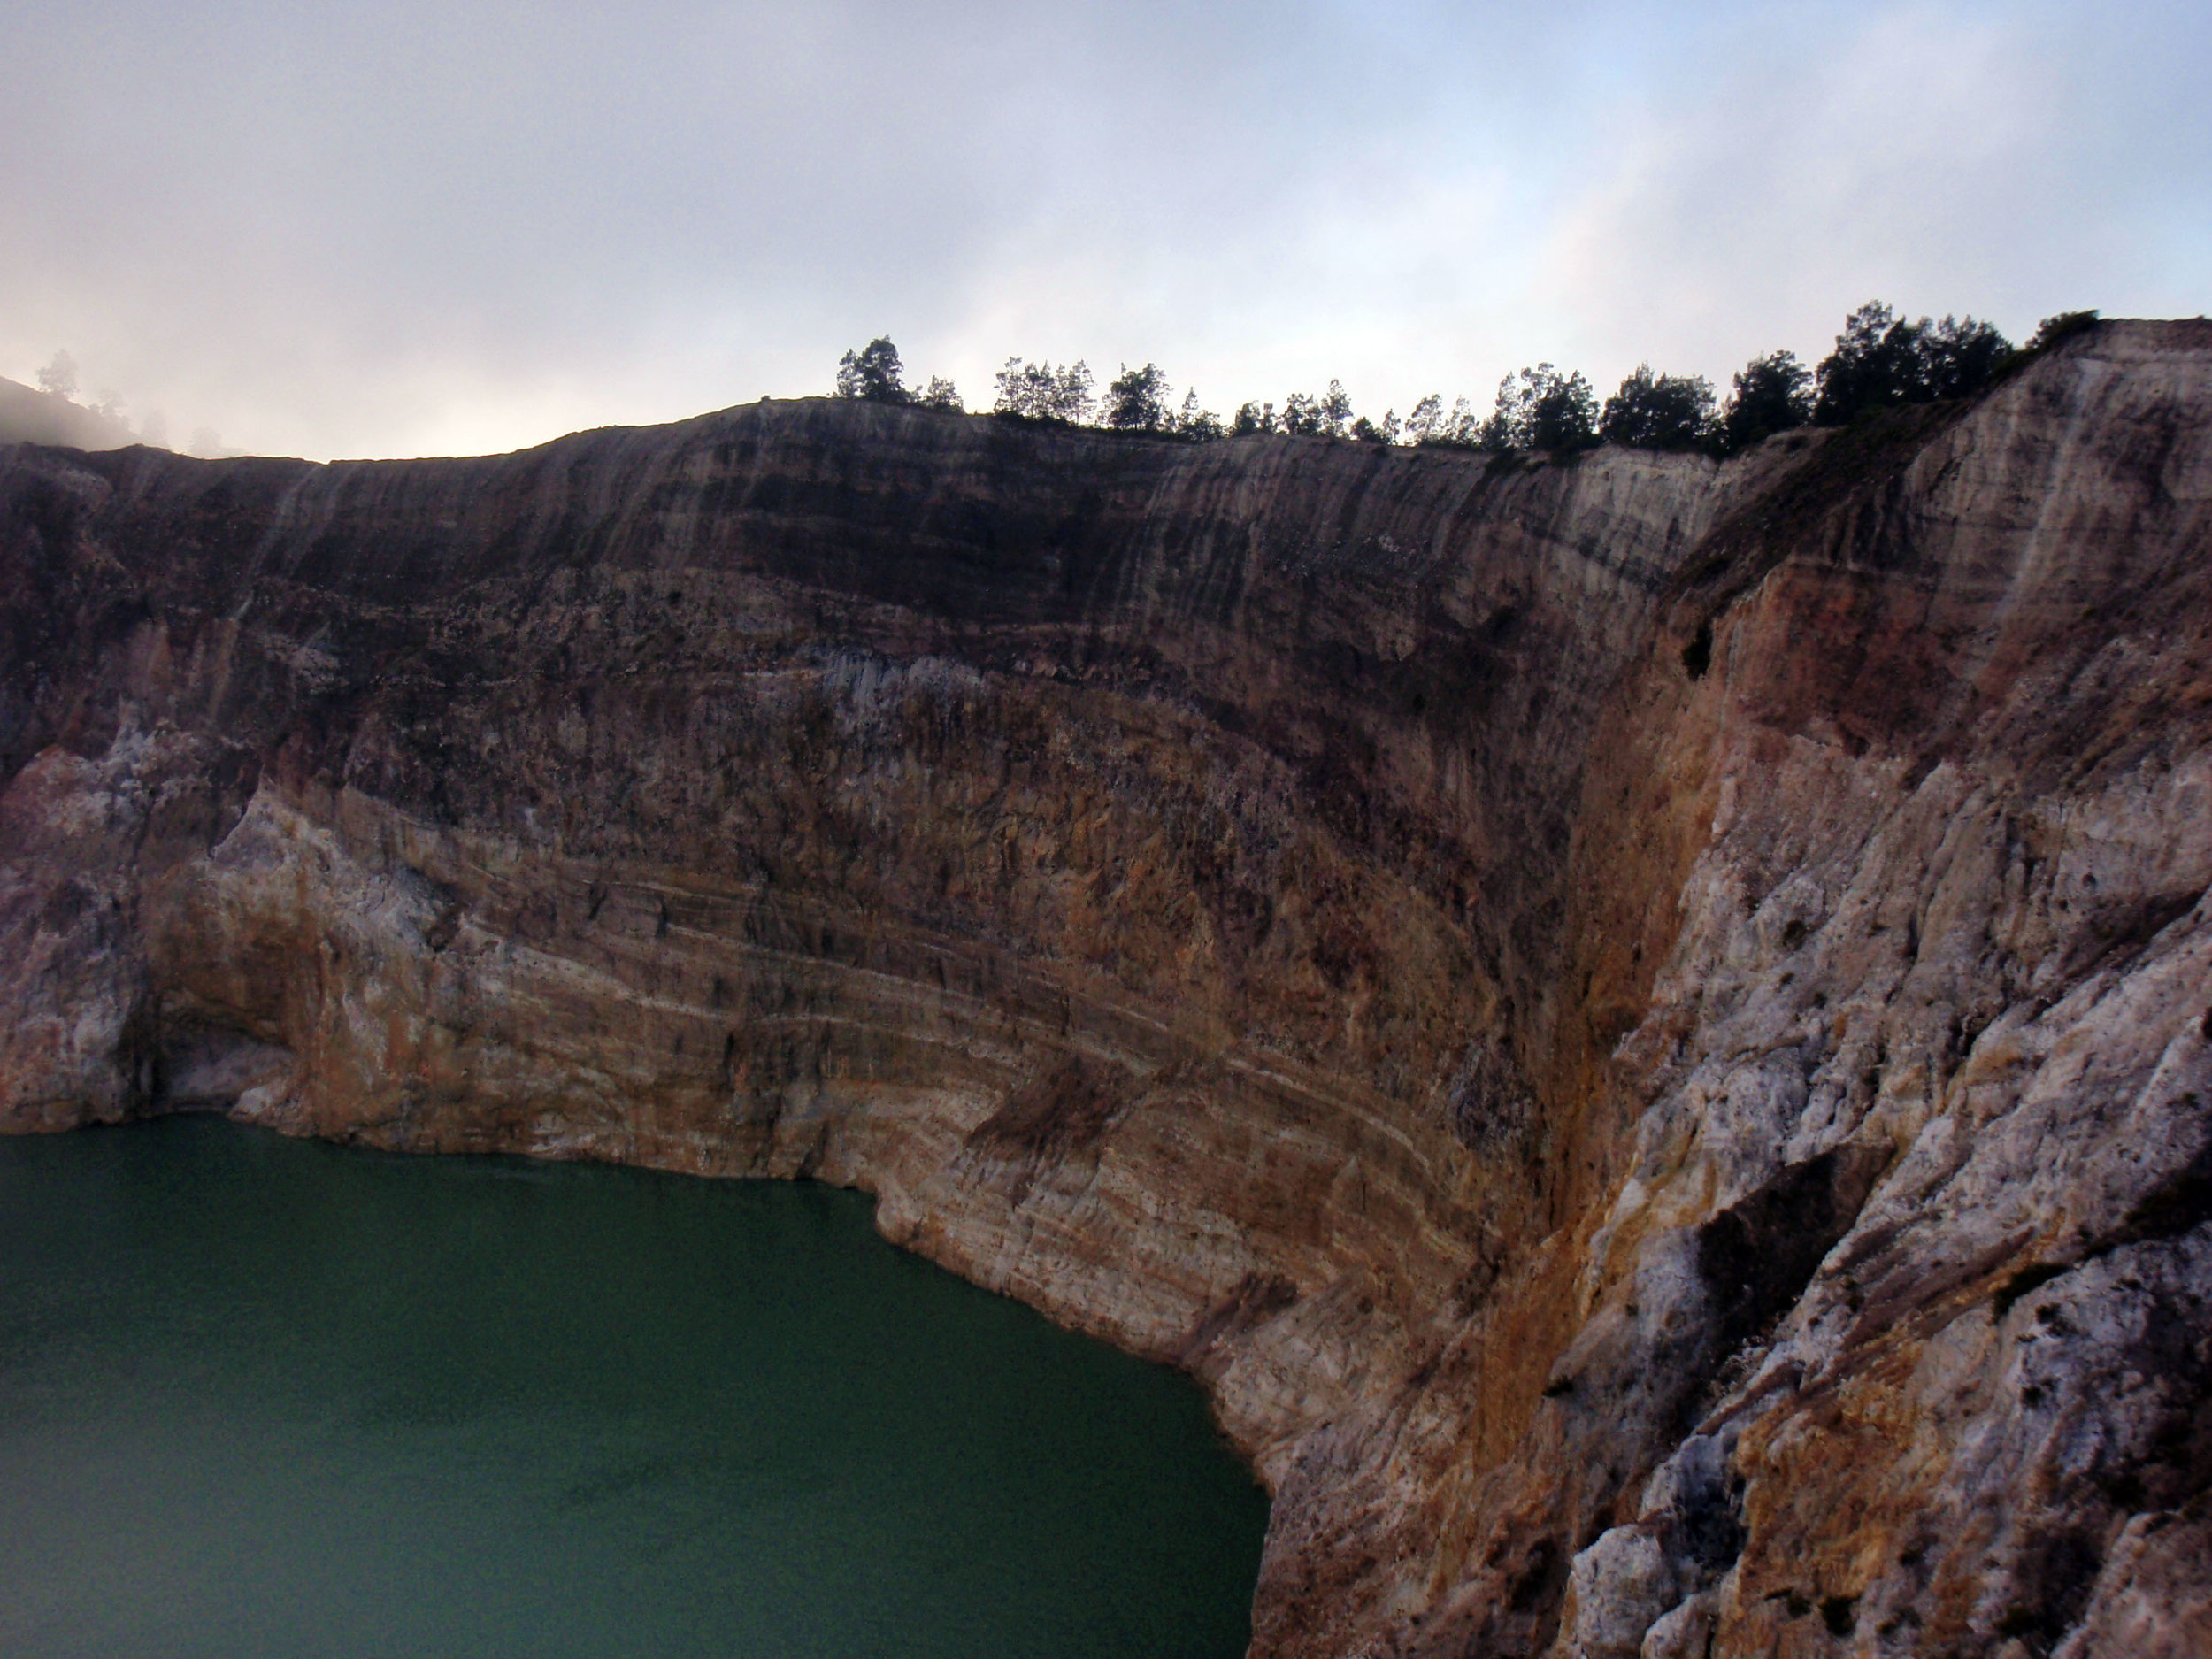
point(261, 1396)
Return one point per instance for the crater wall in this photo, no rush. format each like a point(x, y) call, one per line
point(1644, 1025)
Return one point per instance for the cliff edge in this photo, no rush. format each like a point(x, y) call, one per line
point(1644, 1025)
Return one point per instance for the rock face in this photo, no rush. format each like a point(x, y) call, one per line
point(1645, 1026)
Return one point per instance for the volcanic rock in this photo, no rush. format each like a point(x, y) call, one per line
point(1644, 1025)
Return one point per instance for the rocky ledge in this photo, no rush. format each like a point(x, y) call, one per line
point(1644, 1025)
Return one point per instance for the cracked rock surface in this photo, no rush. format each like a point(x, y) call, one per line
point(1645, 1026)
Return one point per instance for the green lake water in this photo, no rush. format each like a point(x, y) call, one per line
point(261, 1396)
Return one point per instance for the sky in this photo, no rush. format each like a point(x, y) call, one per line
point(398, 227)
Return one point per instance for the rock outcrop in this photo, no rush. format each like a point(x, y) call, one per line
point(1645, 1025)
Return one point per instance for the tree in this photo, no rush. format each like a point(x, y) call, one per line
point(1252, 418)
point(1543, 408)
point(873, 373)
point(1771, 394)
point(942, 394)
point(1958, 356)
point(1072, 398)
point(1326, 416)
point(1383, 431)
point(1039, 391)
point(59, 377)
point(1336, 408)
point(1883, 362)
point(1462, 428)
point(1658, 411)
point(1200, 425)
point(1137, 400)
point(1874, 365)
point(1564, 418)
point(1430, 423)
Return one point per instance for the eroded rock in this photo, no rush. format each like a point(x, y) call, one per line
point(1645, 1026)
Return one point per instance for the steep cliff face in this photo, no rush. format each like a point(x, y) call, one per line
point(1646, 1026)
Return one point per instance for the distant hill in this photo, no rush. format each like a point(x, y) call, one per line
point(30, 416)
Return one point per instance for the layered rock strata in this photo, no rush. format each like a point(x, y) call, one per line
point(1645, 1025)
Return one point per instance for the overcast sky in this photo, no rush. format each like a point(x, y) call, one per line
point(428, 227)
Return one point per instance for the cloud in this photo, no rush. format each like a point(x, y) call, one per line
point(1944, 158)
point(407, 227)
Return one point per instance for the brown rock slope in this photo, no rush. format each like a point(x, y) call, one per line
point(1646, 1026)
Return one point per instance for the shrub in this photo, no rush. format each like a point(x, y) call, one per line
point(2065, 326)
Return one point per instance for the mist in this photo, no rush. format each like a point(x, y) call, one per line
point(403, 229)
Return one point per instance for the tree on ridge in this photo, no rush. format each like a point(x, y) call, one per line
point(873, 373)
point(58, 378)
point(1881, 361)
point(1137, 400)
point(1543, 408)
point(1040, 391)
point(1771, 394)
point(1658, 411)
